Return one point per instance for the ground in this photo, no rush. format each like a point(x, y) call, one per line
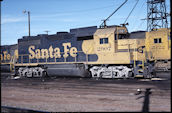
point(87, 95)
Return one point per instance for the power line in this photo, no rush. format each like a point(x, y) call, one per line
point(87, 10)
point(130, 12)
point(103, 25)
point(139, 15)
point(91, 9)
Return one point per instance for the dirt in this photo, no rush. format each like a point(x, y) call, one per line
point(86, 95)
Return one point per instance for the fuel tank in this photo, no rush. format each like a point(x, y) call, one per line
point(72, 70)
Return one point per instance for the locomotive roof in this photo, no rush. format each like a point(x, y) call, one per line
point(82, 32)
point(59, 36)
point(77, 32)
point(13, 45)
point(85, 31)
point(137, 35)
point(107, 30)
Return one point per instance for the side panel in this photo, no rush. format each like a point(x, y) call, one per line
point(53, 49)
point(158, 44)
point(134, 46)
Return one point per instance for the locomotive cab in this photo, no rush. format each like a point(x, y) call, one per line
point(106, 45)
point(158, 46)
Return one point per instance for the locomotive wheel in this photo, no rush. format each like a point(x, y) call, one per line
point(29, 75)
point(44, 74)
point(101, 74)
point(130, 74)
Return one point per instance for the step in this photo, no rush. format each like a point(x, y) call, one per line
point(139, 76)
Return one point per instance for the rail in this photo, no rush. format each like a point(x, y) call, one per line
point(10, 109)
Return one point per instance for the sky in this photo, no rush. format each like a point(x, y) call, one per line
point(63, 15)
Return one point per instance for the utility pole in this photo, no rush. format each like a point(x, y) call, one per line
point(156, 15)
point(28, 19)
point(0, 20)
point(47, 32)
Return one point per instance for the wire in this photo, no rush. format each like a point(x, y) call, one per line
point(87, 10)
point(104, 21)
point(131, 12)
point(139, 15)
point(140, 25)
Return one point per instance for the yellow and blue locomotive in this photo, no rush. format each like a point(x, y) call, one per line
point(109, 52)
point(8, 55)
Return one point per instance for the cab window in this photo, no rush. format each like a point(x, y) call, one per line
point(120, 36)
point(103, 40)
point(157, 40)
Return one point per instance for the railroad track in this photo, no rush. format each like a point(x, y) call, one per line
point(103, 86)
point(10, 109)
point(73, 89)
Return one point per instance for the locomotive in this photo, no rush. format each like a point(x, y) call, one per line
point(109, 52)
point(158, 45)
point(8, 52)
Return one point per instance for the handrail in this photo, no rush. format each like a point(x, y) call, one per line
point(21, 58)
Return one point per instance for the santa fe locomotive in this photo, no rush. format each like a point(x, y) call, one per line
point(109, 52)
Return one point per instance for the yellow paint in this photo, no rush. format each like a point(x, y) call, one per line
point(158, 50)
point(5, 56)
point(38, 53)
point(51, 52)
point(107, 53)
point(57, 53)
point(88, 46)
point(1, 57)
point(44, 53)
point(8, 56)
point(16, 54)
point(32, 53)
point(66, 50)
point(73, 52)
point(132, 45)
